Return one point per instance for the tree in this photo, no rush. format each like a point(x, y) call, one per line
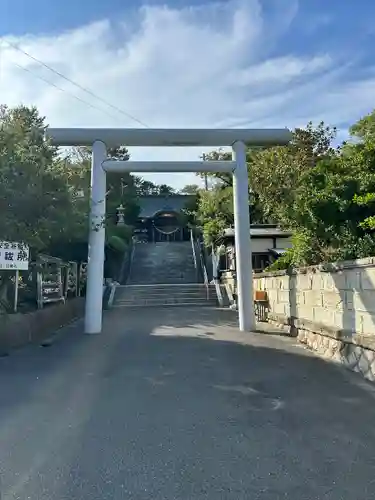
point(210, 203)
point(326, 195)
point(223, 178)
point(118, 153)
point(333, 204)
point(165, 190)
point(364, 129)
point(214, 212)
point(148, 188)
point(143, 187)
point(276, 172)
point(36, 199)
point(121, 187)
point(278, 179)
point(39, 202)
point(190, 189)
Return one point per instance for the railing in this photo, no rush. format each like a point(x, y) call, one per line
point(204, 271)
point(196, 248)
point(193, 250)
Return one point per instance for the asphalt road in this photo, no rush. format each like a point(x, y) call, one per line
point(176, 404)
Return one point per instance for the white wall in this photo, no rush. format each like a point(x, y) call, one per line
point(261, 244)
point(283, 242)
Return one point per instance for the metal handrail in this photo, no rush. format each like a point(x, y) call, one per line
point(193, 249)
point(194, 244)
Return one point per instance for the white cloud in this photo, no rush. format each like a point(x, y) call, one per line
point(200, 66)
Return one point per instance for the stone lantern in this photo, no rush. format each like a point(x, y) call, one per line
point(120, 216)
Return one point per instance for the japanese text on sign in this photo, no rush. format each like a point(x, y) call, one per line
point(14, 256)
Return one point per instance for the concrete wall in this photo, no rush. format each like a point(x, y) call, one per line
point(330, 307)
point(17, 330)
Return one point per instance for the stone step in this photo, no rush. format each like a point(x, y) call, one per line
point(200, 293)
point(197, 294)
point(164, 295)
point(165, 302)
point(170, 298)
point(177, 304)
point(168, 289)
point(161, 286)
point(163, 262)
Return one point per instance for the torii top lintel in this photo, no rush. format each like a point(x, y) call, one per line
point(167, 137)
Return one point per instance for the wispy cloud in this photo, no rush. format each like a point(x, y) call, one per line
point(206, 66)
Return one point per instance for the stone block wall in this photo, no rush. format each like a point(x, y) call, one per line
point(330, 307)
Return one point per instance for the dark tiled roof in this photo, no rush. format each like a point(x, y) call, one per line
point(277, 251)
point(150, 205)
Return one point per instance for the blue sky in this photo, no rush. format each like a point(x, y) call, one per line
point(335, 19)
point(317, 22)
point(191, 63)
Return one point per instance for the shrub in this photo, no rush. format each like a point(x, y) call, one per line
point(117, 244)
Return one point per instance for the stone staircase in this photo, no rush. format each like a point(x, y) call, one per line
point(194, 294)
point(162, 263)
point(164, 274)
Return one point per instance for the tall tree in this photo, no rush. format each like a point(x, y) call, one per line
point(35, 196)
point(190, 189)
point(39, 200)
point(165, 190)
point(121, 187)
point(148, 188)
point(364, 129)
point(214, 212)
point(276, 173)
point(334, 201)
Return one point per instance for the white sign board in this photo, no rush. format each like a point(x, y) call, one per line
point(14, 256)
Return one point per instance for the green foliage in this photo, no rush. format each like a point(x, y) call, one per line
point(283, 262)
point(364, 129)
point(215, 212)
point(368, 223)
point(333, 203)
point(190, 189)
point(117, 244)
point(165, 190)
point(304, 251)
point(44, 197)
point(123, 232)
point(276, 173)
point(38, 202)
point(189, 212)
point(148, 188)
point(326, 195)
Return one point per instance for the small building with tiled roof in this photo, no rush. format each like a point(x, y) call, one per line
point(268, 242)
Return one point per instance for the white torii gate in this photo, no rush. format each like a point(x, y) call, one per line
point(100, 139)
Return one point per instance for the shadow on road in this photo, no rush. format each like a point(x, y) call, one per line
point(177, 403)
